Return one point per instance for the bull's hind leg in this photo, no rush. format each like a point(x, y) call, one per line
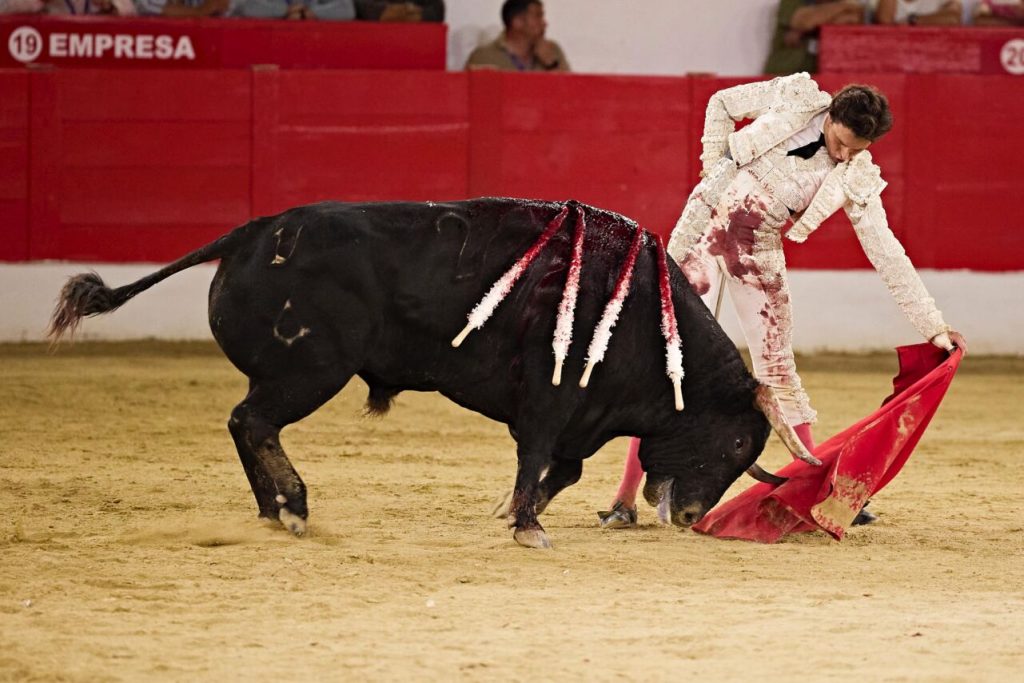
point(256, 424)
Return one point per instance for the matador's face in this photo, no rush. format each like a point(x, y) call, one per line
point(842, 143)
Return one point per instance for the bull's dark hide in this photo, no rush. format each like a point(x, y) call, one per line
point(305, 300)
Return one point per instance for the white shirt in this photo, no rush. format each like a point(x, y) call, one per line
point(808, 134)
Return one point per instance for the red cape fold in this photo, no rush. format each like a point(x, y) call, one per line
point(856, 463)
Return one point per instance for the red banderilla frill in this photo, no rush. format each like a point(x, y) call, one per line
point(566, 309)
point(603, 331)
point(669, 329)
point(500, 289)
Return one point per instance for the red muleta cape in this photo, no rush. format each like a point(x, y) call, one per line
point(856, 463)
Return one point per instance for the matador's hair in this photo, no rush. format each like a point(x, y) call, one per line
point(862, 109)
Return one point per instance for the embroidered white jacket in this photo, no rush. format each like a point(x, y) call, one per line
point(779, 108)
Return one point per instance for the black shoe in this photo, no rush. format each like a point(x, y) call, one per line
point(619, 517)
point(865, 516)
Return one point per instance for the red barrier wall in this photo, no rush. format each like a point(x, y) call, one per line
point(145, 165)
point(922, 49)
point(618, 142)
point(358, 136)
point(14, 146)
point(133, 165)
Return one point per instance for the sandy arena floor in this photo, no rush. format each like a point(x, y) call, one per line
point(130, 550)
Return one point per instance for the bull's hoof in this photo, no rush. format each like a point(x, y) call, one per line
point(532, 538)
point(865, 516)
point(619, 517)
point(502, 506)
point(291, 521)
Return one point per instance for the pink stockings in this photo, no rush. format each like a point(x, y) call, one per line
point(632, 476)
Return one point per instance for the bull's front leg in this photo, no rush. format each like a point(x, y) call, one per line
point(534, 458)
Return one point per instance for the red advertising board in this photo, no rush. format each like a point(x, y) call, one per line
point(919, 49)
point(99, 42)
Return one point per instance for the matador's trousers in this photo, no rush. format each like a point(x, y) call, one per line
point(740, 247)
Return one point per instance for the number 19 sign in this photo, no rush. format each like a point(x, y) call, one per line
point(112, 43)
point(25, 44)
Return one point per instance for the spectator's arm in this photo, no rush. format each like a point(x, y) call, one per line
point(392, 10)
point(371, 10)
point(261, 9)
point(123, 8)
point(983, 15)
point(21, 6)
point(148, 8)
point(992, 20)
point(885, 13)
point(550, 56)
point(331, 10)
point(947, 15)
point(810, 17)
point(209, 8)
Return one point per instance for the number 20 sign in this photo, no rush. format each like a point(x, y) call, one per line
point(1012, 56)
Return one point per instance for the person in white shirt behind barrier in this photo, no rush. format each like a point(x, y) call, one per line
point(802, 158)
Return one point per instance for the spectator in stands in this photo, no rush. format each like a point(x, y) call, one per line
point(919, 12)
point(183, 8)
point(999, 13)
point(400, 10)
point(330, 10)
point(795, 43)
point(122, 8)
point(22, 6)
point(522, 46)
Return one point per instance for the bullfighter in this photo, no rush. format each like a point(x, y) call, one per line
point(802, 158)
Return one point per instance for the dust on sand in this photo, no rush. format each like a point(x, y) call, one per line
point(130, 551)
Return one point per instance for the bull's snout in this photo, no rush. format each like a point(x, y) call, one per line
point(689, 515)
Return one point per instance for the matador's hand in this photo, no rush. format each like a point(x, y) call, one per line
point(949, 340)
point(958, 341)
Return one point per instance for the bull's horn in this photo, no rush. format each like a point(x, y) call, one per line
point(768, 403)
point(764, 476)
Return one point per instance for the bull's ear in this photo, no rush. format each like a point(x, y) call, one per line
point(767, 402)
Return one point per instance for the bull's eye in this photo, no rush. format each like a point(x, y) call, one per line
point(738, 445)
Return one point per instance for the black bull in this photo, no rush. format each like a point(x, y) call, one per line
point(304, 300)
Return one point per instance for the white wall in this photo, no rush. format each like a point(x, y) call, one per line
point(665, 37)
point(834, 310)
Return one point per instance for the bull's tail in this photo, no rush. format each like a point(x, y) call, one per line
point(87, 295)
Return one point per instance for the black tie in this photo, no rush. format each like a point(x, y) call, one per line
point(808, 150)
